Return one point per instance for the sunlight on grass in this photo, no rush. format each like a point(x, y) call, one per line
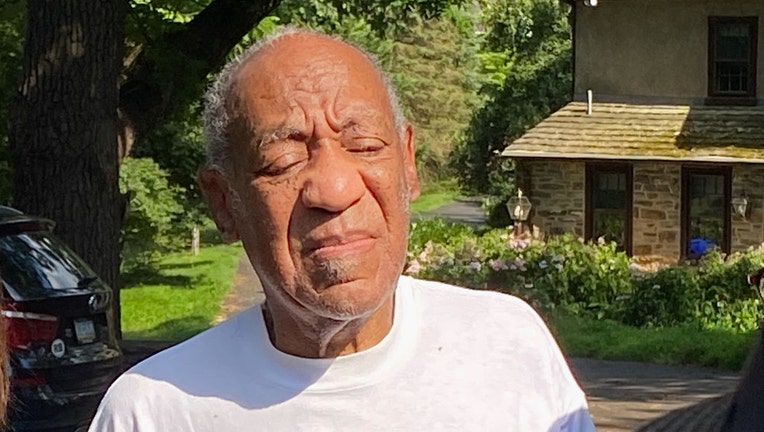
point(180, 296)
point(432, 201)
point(436, 195)
point(684, 345)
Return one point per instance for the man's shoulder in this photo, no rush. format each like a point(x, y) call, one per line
point(447, 295)
point(203, 352)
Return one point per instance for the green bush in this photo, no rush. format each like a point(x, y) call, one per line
point(728, 301)
point(664, 298)
point(589, 279)
point(724, 277)
point(154, 214)
point(713, 293)
point(436, 230)
point(563, 271)
point(683, 344)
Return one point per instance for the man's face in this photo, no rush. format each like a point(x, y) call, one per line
point(321, 179)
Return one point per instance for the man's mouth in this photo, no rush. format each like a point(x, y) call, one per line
point(337, 246)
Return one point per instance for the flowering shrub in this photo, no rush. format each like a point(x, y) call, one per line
point(562, 271)
point(588, 278)
point(714, 294)
point(664, 298)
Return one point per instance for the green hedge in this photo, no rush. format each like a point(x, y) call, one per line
point(589, 278)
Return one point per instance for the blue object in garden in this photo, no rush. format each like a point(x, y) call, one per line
point(699, 246)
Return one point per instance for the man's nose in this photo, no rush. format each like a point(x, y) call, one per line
point(334, 182)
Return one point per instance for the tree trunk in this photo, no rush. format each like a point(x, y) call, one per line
point(64, 134)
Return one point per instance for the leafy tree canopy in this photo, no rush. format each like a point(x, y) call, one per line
point(526, 65)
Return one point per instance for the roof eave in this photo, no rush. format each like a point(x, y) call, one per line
point(602, 156)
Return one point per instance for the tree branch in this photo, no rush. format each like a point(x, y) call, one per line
point(172, 71)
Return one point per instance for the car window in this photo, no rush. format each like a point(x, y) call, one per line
point(36, 261)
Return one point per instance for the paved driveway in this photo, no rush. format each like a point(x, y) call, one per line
point(625, 396)
point(465, 210)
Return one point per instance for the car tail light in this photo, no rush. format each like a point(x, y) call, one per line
point(25, 329)
point(28, 381)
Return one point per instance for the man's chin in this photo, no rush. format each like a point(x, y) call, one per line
point(324, 275)
point(349, 299)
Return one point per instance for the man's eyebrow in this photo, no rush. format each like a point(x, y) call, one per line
point(274, 135)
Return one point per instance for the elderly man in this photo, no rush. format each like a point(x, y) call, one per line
point(311, 166)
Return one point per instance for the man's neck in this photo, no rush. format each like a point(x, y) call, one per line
point(319, 337)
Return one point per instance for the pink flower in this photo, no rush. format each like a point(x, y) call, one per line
point(519, 243)
point(474, 266)
point(497, 264)
point(413, 268)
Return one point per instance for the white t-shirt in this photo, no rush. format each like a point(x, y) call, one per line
point(455, 359)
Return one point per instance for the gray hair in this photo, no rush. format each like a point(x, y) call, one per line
point(216, 119)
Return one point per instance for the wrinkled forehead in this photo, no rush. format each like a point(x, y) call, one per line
point(312, 69)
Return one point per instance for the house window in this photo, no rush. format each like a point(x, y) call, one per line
point(732, 59)
point(706, 210)
point(608, 203)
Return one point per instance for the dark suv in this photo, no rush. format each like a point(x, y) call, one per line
point(61, 337)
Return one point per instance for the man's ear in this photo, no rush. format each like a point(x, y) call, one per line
point(409, 162)
point(216, 192)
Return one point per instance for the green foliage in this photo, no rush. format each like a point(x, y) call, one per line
point(665, 298)
point(685, 344)
point(383, 14)
point(501, 186)
point(526, 75)
point(154, 212)
point(712, 294)
point(178, 148)
point(433, 66)
point(562, 272)
point(589, 279)
point(437, 231)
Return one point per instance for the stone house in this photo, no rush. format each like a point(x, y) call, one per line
point(662, 148)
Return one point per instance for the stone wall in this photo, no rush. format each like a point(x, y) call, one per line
point(657, 204)
point(748, 231)
point(556, 190)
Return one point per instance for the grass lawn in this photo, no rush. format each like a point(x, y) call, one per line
point(609, 340)
point(435, 195)
point(180, 297)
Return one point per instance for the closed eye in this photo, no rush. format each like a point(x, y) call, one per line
point(365, 145)
point(280, 168)
point(281, 158)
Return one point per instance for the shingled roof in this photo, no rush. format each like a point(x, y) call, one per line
point(646, 132)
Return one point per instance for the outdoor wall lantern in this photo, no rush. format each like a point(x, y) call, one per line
point(519, 208)
point(740, 205)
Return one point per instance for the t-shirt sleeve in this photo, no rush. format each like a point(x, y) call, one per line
point(577, 421)
point(119, 411)
point(576, 417)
